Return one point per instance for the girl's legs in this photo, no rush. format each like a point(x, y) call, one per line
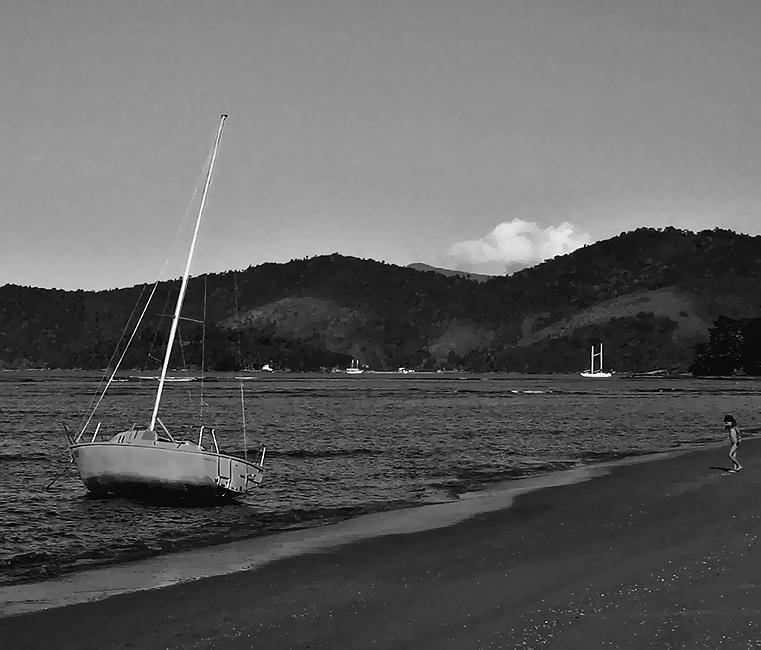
point(733, 457)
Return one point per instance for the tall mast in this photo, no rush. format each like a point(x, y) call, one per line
point(186, 275)
point(592, 359)
point(600, 357)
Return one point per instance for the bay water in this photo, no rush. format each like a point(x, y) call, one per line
point(337, 446)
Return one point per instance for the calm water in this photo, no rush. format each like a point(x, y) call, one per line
point(338, 446)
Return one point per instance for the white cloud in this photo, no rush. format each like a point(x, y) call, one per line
point(515, 244)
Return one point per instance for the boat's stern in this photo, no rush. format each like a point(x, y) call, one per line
point(238, 476)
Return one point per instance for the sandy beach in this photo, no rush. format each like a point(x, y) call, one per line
point(651, 554)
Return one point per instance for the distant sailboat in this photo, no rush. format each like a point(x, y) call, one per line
point(148, 461)
point(354, 369)
point(599, 373)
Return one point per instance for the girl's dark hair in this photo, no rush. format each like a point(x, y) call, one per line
point(730, 420)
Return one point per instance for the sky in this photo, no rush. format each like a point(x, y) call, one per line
point(483, 135)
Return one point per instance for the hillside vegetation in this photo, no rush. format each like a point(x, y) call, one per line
point(652, 296)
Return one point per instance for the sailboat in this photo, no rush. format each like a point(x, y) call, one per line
point(150, 462)
point(354, 369)
point(599, 373)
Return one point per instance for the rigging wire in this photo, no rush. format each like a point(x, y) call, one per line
point(203, 345)
point(201, 178)
point(153, 341)
point(115, 352)
point(237, 319)
point(240, 363)
point(118, 363)
point(243, 413)
point(184, 362)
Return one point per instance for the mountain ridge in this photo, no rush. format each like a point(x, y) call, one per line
point(651, 295)
point(479, 277)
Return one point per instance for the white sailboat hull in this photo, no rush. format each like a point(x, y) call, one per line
point(163, 469)
point(596, 375)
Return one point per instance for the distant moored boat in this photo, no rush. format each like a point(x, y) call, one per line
point(354, 369)
point(599, 373)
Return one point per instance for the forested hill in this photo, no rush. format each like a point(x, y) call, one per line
point(650, 295)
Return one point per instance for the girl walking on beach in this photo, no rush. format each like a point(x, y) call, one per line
point(734, 441)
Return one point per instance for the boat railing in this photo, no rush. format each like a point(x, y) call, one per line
point(256, 477)
point(204, 428)
point(82, 432)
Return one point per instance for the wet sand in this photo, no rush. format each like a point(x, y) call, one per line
point(654, 554)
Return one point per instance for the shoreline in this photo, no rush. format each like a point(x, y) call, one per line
point(645, 554)
point(250, 554)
